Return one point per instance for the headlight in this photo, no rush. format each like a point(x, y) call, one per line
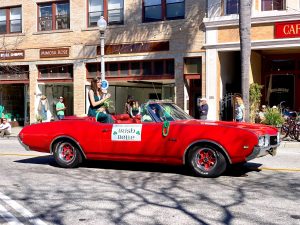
point(264, 141)
point(261, 141)
point(267, 141)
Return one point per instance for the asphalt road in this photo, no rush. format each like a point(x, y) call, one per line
point(33, 190)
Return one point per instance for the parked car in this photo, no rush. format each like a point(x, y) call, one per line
point(163, 133)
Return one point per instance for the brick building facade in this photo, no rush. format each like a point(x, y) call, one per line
point(153, 50)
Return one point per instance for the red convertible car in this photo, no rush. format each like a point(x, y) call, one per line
point(163, 133)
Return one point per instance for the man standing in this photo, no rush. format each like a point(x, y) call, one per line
point(60, 108)
point(5, 128)
point(203, 109)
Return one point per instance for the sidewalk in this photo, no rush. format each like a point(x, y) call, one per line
point(14, 132)
point(288, 143)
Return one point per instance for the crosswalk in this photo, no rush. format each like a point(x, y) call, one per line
point(10, 218)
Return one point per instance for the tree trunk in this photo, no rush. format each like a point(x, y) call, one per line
point(245, 44)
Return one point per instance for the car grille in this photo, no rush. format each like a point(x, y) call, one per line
point(273, 140)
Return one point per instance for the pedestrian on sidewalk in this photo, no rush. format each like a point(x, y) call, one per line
point(5, 128)
point(60, 108)
point(203, 109)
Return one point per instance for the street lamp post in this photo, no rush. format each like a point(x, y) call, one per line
point(102, 24)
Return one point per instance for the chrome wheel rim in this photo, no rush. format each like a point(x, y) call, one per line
point(205, 159)
point(66, 152)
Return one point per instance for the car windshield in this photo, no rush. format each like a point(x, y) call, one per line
point(163, 111)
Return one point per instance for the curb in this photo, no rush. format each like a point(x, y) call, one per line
point(289, 144)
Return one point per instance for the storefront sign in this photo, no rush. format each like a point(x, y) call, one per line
point(14, 54)
point(54, 52)
point(287, 29)
point(126, 132)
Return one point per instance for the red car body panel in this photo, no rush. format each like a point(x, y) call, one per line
point(95, 139)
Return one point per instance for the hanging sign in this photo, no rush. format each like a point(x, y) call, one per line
point(126, 132)
point(104, 84)
point(14, 54)
point(54, 52)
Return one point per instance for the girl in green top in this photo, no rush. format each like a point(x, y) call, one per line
point(97, 99)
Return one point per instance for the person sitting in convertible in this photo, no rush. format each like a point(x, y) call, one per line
point(98, 99)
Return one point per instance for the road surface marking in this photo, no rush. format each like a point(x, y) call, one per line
point(20, 209)
point(10, 218)
point(280, 169)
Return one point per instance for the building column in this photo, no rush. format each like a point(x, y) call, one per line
point(179, 82)
point(212, 84)
point(33, 77)
point(79, 88)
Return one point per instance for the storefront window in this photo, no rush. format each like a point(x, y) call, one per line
point(158, 67)
point(282, 65)
point(192, 66)
point(124, 69)
point(55, 71)
point(52, 91)
point(113, 69)
point(14, 72)
point(12, 99)
point(147, 67)
point(135, 68)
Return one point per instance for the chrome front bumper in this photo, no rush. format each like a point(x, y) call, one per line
point(25, 146)
point(262, 151)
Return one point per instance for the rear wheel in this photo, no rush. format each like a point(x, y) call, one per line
point(66, 154)
point(206, 161)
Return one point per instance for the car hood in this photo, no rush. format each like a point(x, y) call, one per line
point(259, 129)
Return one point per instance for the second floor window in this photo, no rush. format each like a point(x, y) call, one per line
point(10, 20)
point(112, 10)
point(232, 7)
point(54, 16)
point(156, 10)
point(269, 5)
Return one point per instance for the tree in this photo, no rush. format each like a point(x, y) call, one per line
point(245, 44)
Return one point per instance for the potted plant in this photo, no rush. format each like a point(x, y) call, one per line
point(273, 117)
point(255, 96)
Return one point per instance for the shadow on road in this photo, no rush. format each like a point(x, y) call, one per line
point(239, 170)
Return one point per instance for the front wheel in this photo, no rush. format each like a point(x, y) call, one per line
point(206, 161)
point(67, 155)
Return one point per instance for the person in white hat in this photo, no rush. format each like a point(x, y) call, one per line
point(60, 108)
point(203, 109)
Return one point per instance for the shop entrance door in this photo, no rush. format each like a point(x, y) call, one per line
point(280, 89)
point(12, 99)
point(195, 94)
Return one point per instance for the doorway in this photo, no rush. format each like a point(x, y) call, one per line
point(280, 89)
point(195, 94)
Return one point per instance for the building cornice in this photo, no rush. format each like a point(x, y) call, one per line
point(233, 20)
point(265, 44)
